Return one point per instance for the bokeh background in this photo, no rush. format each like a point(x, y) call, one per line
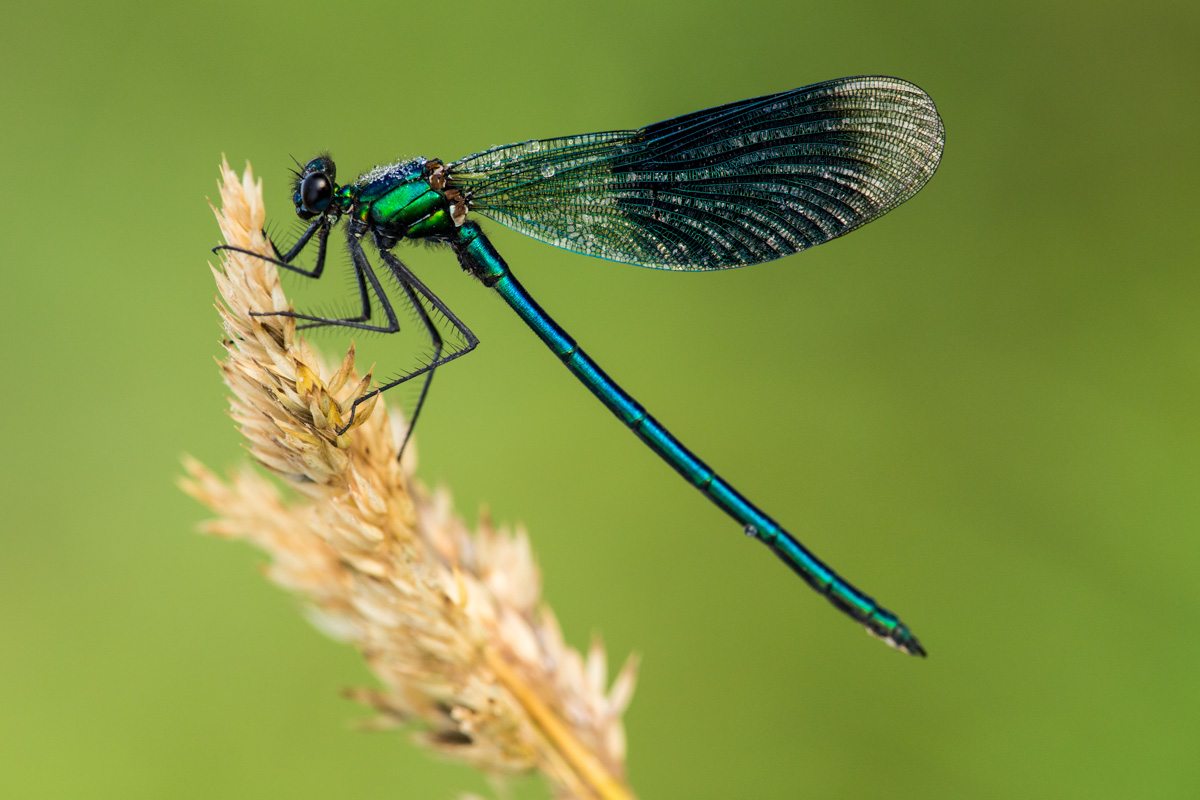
point(982, 409)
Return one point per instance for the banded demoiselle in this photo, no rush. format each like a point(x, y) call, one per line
point(735, 185)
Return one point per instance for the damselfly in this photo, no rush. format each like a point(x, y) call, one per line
point(735, 185)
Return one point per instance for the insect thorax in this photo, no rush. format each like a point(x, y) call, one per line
point(397, 200)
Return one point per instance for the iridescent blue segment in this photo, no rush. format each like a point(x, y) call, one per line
point(739, 184)
point(483, 259)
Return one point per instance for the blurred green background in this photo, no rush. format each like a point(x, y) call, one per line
point(982, 409)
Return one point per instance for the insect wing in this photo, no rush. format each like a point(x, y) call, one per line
point(739, 184)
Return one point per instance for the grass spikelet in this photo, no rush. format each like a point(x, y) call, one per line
point(450, 622)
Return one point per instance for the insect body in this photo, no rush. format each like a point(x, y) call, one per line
point(727, 187)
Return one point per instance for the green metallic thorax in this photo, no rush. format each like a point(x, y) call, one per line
point(400, 201)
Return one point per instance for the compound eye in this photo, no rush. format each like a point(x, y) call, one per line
point(315, 192)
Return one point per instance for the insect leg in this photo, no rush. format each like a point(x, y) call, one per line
point(363, 269)
point(285, 259)
point(411, 282)
point(436, 339)
point(363, 296)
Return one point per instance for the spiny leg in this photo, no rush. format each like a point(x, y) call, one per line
point(410, 281)
point(322, 238)
point(285, 259)
point(363, 270)
point(413, 287)
point(436, 338)
point(363, 296)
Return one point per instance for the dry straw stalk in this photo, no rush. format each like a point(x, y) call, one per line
point(450, 622)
